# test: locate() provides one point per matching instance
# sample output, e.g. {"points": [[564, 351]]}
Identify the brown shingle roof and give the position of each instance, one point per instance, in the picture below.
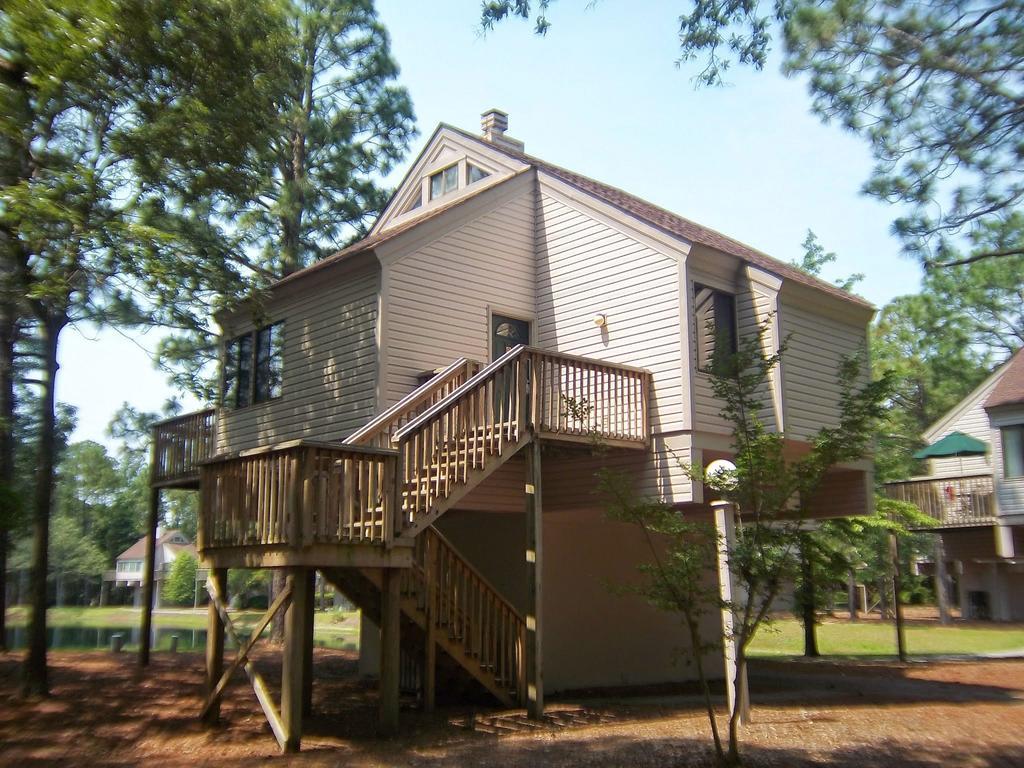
{"points": [[674, 224], [1009, 390], [641, 209], [137, 551]]}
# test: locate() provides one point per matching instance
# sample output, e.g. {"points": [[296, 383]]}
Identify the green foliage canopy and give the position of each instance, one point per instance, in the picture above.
{"points": [[936, 89]]}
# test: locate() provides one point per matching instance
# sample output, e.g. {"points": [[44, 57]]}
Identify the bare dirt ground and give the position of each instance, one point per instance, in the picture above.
{"points": [[103, 712]]}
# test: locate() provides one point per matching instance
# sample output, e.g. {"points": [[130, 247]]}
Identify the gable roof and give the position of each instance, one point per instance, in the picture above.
{"points": [[1010, 389], [137, 551], [646, 212]]}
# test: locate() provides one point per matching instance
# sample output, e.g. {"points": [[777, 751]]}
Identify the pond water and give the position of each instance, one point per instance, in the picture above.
{"points": [[92, 638]]}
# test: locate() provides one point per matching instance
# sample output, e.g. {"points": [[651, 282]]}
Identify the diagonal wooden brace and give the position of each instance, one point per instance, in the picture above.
{"points": [[242, 659]]}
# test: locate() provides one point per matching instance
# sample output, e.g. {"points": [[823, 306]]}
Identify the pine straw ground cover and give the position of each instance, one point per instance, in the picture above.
{"points": [[821, 714]]}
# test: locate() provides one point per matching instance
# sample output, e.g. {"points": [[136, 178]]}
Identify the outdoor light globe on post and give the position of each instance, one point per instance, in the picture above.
{"points": [[719, 467]]}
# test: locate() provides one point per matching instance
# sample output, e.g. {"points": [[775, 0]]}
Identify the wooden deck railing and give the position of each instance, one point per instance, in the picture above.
{"points": [[952, 502], [457, 601], [486, 418], [180, 445], [297, 494], [380, 431]]}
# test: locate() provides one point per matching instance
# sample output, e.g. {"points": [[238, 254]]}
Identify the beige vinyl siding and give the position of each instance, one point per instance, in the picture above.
{"points": [[755, 306], [437, 297], [972, 420], [586, 267], [1009, 490], [329, 378], [817, 345]]}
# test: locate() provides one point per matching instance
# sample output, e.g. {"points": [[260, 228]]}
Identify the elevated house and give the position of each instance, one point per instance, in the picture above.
{"points": [[397, 416], [977, 502]]}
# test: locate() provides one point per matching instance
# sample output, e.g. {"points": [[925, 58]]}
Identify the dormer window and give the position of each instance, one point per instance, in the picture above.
{"points": [[474, 174], [445, 181]]}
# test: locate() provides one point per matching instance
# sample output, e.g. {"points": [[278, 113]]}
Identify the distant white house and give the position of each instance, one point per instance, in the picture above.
{"points": [[130, 565], [978, 501]]}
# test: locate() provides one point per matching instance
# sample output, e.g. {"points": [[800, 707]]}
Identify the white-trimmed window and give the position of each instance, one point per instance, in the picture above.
{"points": [[1013, 450], [714, 312], [444, 181], [253, 366], [474, 174]]}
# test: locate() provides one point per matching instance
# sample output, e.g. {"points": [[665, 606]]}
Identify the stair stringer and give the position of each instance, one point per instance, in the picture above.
{"points": [[473, 478], [369, 602]]}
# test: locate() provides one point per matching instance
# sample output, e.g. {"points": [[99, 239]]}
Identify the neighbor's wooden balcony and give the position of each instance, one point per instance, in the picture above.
{"points": [[952, 502], [300, 503], [180, 445]]}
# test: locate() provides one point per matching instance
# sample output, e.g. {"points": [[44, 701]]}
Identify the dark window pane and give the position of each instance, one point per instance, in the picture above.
{"points": [[229, 387], [715, 318], [244, 393], [268, 362], [475, 174], [435, 186]]}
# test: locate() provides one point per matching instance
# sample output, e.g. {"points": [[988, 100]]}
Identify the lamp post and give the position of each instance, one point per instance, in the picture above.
{"points": [[725, 525]]}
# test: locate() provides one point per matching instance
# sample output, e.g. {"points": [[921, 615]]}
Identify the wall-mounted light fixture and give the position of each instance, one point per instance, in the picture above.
{"points": [[600, 320]]}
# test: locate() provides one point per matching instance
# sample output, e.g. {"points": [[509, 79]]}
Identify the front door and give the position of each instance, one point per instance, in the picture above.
{"points": [[506, 333]]}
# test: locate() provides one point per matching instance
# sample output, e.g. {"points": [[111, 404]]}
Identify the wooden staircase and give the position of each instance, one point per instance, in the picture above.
{"points": [[369, 503], [451, 607]]}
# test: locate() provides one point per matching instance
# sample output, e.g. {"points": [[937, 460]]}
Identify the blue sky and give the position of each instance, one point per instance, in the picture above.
{"points": [[600, 95]]}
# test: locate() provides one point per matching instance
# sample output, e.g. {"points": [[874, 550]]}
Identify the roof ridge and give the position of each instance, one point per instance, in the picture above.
{"points": [[772, 263]]}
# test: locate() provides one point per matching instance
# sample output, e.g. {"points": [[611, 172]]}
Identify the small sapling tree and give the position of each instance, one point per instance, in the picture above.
{"points": [[770, 489]]}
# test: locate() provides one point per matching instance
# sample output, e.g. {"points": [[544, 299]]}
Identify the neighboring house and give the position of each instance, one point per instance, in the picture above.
{"points": [[978, 501], [398, 362], [128, 568]]}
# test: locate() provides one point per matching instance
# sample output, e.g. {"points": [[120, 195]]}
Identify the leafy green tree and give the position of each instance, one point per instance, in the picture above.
{"points": [[771, 492], [343, 123], [934, 88], [122, 118], [181, 582], [815, 258]]}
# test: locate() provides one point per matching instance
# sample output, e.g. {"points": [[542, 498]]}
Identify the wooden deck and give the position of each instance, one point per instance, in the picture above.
{"points": [[180, 445], [952, 502]]}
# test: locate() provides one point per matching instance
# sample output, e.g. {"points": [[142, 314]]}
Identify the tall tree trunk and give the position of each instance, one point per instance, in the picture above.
{"points": [[851, 594], [36, 681], [277, 587], [808, 601]]}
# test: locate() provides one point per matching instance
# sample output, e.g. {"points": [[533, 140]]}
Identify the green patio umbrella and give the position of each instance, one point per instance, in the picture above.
{"points": [[953, 444]]}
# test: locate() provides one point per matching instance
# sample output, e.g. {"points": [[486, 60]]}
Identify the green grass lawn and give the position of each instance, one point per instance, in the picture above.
{"points": [[785, 637], [334, 629]]}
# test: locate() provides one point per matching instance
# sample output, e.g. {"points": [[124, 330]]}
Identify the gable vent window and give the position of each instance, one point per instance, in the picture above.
{"points": [[253, 365], [474, 174], [715, 314], [443, 182]]}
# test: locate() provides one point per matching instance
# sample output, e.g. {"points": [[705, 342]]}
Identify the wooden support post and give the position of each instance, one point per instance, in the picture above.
{"points": [[149, 566], [293, 662], [390, 649], [725, 526], [534, 583], [307, 643], [430, 647], [215, 642], [941, 580]]}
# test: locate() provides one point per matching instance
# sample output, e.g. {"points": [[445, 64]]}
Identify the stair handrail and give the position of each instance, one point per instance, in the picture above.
{"points": [[443, 540], [442, 405], [472, 383], [382, 424]]}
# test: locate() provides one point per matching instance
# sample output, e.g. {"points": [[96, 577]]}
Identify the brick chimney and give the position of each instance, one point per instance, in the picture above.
{"points": [[493, 124]]}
